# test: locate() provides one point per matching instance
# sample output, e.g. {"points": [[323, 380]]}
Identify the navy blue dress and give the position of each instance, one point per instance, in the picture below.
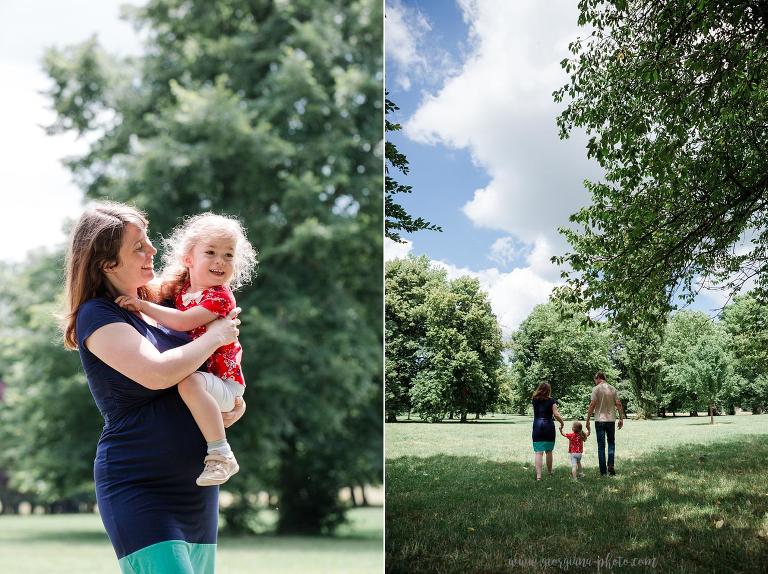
{"points": [[149, 454], [543, 433]]}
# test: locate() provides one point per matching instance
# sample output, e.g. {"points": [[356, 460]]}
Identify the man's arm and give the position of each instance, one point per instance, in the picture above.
{"points": [[620, 408], [173, 318], [590, 410]]}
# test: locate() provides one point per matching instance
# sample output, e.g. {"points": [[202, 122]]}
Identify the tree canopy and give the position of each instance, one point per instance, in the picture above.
{"points": [[443, 343], [674, 98]]}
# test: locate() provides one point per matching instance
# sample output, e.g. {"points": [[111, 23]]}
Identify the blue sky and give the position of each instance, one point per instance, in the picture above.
{"points": [[439, 176], [473, 80]]}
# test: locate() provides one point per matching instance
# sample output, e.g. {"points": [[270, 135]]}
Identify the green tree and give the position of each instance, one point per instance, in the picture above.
{"points": [[696, 363], [637, 355], [746, 321], [407, 283], [555, 345], [506, 401], [462, 353], [271, 111], [674, 98], [397, 218], [710, 369], [49, 422], [682, 334]]}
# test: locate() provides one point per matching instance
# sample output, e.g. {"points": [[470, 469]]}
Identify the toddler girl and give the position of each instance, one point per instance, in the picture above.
{"points": [[575, 448], [205, 258]]}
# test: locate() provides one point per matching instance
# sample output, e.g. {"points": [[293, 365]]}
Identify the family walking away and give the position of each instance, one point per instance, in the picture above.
{"points": [[143, 375], [603, 405]]}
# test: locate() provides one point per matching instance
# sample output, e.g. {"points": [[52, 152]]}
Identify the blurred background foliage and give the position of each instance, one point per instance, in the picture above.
{"points": [[271, 111]]}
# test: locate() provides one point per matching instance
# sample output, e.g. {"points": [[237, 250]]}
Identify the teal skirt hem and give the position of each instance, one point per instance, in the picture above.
{"points": [[175, 556], [543, 445]]}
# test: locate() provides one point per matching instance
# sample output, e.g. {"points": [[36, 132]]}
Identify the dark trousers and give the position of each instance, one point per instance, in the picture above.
{"points": [[605, 430]]}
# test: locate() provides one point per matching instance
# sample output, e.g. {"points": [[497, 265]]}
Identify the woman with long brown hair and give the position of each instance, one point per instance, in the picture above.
{"points": [[150, 449], [543, 435]]}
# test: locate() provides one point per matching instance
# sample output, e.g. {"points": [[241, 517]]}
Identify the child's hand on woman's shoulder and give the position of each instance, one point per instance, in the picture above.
{"points": [[130, 303]]}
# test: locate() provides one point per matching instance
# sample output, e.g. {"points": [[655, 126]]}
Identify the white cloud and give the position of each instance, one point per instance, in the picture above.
{"points": [[408, 50], [505, 250], [513, 295], [404, 28], [499, 106], [395, 250], [539, 259]]}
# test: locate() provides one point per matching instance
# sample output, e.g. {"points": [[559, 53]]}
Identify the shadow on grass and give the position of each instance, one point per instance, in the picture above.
{"points": [[465, 514]]}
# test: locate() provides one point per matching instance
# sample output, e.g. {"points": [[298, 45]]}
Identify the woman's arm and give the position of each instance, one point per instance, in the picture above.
{"points": [[556, 414], [122, 347], [173, 318]]}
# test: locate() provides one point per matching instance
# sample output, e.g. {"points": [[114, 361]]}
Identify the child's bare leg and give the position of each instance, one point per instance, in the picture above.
{"points": [[537, 457], [578, 467], [573, 471], [204, 408], [549, 462]]}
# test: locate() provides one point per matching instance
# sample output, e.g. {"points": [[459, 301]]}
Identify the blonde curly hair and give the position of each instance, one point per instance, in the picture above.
{"points": [[182, 240]]}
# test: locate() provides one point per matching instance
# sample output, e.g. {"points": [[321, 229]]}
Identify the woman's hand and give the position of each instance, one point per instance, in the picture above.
{"points": [[235, 414], [226, 329]]}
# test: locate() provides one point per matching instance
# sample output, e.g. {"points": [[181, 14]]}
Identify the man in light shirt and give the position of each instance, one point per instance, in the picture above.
{"points": [[604, 404]]}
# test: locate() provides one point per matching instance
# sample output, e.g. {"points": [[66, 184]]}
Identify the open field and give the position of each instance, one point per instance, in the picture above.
{"points": [[77, 543], [688, 497]]}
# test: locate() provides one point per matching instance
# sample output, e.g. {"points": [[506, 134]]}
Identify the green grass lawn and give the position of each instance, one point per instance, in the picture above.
{"points": [[690, 496], [77, 543]]}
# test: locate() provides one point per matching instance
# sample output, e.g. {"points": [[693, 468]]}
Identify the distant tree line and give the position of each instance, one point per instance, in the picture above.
{"points": [[444, 354]]}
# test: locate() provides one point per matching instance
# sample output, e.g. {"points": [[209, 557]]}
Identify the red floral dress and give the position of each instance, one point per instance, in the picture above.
{"points": [[575, 444], [225, 361]]}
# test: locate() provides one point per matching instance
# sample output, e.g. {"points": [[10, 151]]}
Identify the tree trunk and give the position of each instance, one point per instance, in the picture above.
{"points": [[308, 493], [352, 496], [391, 418], [477, 416], [694, 413], [463, 416], [711, 414], [362, 495]]}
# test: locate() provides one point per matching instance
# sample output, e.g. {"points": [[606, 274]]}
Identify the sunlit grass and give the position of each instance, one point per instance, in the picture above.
{"points": [[78, 543], [462, 498]]}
